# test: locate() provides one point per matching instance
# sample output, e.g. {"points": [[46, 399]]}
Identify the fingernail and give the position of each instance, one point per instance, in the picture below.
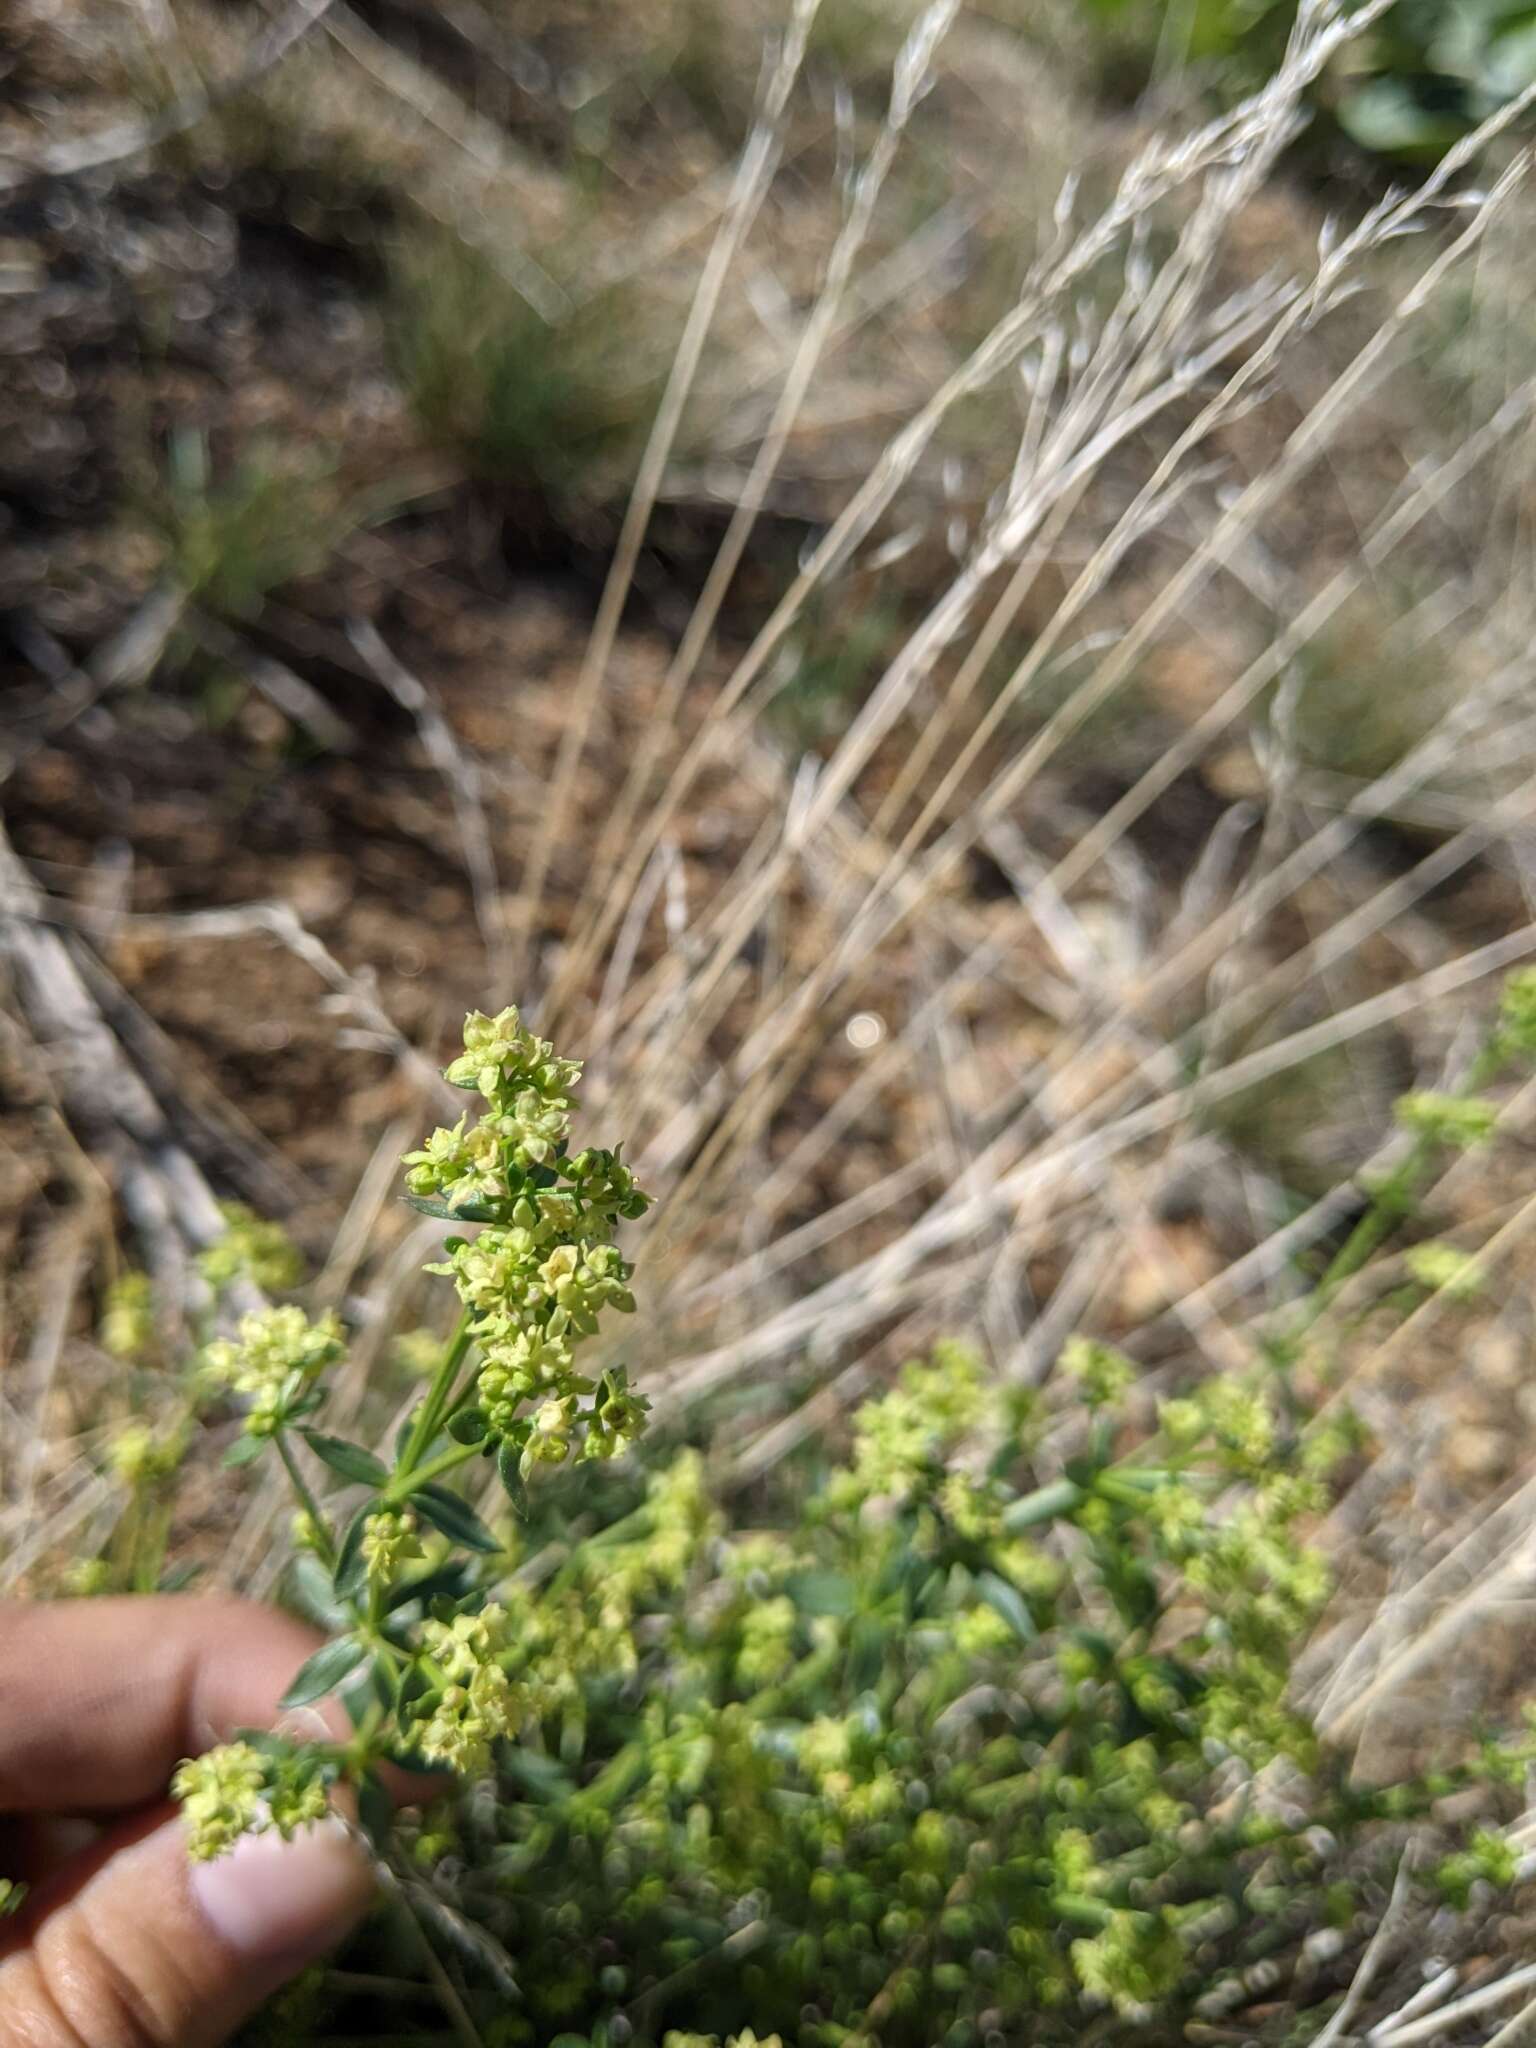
{"points": [[269, 1897]]}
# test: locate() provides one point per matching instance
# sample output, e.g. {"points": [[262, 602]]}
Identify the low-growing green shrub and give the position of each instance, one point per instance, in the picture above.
{"points": [[979, 1732], [1425, 75]]}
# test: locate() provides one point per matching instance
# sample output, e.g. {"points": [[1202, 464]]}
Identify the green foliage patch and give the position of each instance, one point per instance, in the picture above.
{"points": [[1425, 74], [979, 1730]]}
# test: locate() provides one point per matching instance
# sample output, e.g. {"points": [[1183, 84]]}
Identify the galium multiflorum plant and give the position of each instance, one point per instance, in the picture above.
{"points": [[419, 1650], [983, 1733]]}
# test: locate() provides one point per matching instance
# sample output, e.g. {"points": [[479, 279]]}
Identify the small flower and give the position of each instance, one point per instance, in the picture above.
{"points": [[140, 1457], [1444, 1270], [503, 1060], [1135, 1961], [461, 1165], [1488, 1858], [1182, 1421], [767, 1641], [127, 1317], [617, 1418], [549, 1437], [477, 1704], [275, 1356], [971, 1509], [87, 1576], [254, 1248], [462, 1646], [417, 1353], [582, 1281], [1179, 1515], [221, 1798], [237, 1790], [390, 1537], [1459, 1121], [1103, 1374], [981, 1631], [297, 1803]]}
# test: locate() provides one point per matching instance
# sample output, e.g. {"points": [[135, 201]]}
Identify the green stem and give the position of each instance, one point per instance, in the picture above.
{"points": [[429, 1421], [358, 1751], [1395, 1197], [402, 1485], [151, 1541], [1374, 1227], [307, 1500]]}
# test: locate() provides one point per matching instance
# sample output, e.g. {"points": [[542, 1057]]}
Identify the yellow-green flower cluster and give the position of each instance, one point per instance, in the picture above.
{"points": [[1444, 1270], [254, 1249], [128, 1316], [460, 1164], [767, 1641], [899, 1440], [745, 2039], [1133, 1962], [1458, 1121], [390, 1538], [1103, 1374], [85, 1577], [526, 1086], [1488, 1858], [475, 1703], [237, 1790], [274, 1358], [543, 1271], [141, 1456], [1238, 1419], [416, 1354]]}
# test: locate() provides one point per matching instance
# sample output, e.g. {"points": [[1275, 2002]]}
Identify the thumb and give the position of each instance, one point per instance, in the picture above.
{"points": [[153, 1951]]}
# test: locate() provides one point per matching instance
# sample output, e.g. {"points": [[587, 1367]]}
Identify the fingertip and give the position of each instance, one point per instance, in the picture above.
{"points": [[269, 1899], [148, 1948]]}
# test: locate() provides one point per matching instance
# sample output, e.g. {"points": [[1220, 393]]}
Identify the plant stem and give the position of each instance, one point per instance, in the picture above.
{"points": [[307, 1500], [150, 1540], [430, 1419], [444, 1462]]}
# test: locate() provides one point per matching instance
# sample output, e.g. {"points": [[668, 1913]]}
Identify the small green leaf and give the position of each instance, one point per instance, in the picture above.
{"points": [[315, 1594], [466, 1212], [243, 1450], [469, 1426], [351, 1566], [350, 1460], [821, 1592], [455, 1518], [414, 1685], [509, 1472], [323, 1672], [265, 1742], [448, 1580], [1045, 1504], [1009, 1602]]}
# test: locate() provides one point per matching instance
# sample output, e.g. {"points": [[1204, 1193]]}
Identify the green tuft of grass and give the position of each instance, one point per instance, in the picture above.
{"points": [[561, 407], [277, 513]]}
